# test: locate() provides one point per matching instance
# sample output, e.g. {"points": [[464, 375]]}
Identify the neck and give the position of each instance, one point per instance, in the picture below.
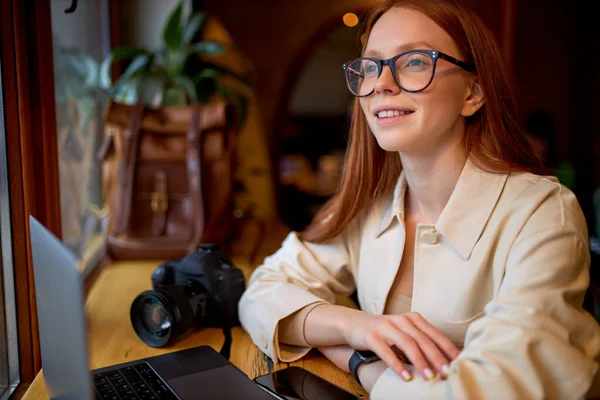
{"points": [[431, 180]]}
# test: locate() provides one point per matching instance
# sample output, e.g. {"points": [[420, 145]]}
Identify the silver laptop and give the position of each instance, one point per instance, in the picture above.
{"points": [[197, 373]]}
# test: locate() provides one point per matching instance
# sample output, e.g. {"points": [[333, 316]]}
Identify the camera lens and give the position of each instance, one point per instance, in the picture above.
{"points": [[155, 317], [160, 316]]}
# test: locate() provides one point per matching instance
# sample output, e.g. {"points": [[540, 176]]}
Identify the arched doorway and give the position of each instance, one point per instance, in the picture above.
{"points": [[313, 124]]}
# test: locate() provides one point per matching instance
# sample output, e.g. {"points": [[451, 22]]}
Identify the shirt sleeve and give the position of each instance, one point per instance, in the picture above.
{"points": [[299, 274], [291, 328], [534, 340]]}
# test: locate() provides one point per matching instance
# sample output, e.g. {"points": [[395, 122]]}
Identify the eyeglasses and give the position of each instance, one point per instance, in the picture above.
{"points": [[412, 70]]}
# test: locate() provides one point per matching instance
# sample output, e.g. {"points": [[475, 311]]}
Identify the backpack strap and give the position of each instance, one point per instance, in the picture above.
{"points": [[194, 168], [127, 167]]}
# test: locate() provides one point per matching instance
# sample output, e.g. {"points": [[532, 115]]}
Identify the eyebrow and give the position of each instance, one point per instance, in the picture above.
{"points": [[401, 48]]}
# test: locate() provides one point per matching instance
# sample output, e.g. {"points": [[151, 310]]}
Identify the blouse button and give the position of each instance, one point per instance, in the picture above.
{"points": [[429, 237]]}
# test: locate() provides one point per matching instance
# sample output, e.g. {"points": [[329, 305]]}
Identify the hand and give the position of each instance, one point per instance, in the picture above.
{"points": [[423, 344], [339, 355]]}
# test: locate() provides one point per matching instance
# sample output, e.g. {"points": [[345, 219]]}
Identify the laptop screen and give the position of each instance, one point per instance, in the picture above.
{"points": [[61, 316]]}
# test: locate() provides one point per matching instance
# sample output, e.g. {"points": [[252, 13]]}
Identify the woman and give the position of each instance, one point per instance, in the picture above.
{"points": [[470, 266]]}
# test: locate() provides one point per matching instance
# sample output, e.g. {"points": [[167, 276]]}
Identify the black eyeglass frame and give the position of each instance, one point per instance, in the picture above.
{"points": [[390, 62]]}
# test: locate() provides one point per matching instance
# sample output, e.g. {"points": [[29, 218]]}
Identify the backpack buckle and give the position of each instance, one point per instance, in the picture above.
{"points": [[159, 202]]}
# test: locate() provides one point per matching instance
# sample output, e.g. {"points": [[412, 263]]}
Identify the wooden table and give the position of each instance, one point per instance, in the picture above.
{"points": [[112, 339]]}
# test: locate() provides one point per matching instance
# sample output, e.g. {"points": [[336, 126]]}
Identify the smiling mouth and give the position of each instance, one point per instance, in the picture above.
{"points": [[392, 113]]}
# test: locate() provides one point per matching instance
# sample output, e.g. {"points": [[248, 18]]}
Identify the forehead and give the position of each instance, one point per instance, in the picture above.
{"points": [[399, 28]]}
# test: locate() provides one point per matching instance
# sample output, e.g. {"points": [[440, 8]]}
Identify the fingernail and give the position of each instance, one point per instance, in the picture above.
{"points": [[446, 370], [407, 377], [429, 374]]}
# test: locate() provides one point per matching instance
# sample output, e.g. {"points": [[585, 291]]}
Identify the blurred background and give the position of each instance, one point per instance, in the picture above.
{"points": [[296, 112], [299, 119]]}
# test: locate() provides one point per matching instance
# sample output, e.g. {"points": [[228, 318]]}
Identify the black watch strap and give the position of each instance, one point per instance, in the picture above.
{"points": [[358, 358]]}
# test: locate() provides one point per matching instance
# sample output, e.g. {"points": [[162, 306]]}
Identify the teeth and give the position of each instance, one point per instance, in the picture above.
{"points": [[392, 113]]}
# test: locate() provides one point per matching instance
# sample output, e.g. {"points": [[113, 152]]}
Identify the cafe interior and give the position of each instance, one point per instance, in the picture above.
{"points": [[101, 151]]}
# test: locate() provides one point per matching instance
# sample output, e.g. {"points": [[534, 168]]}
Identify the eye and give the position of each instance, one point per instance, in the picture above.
{"points": [[370, 69], [415, 62]]}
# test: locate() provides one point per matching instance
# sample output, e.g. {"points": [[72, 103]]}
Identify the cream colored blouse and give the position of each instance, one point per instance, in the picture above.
{"points": [[291, 328], [502, 273]]}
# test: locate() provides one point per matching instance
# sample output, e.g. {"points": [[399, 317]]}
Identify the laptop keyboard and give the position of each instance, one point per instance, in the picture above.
{"points": [[135, 382]]}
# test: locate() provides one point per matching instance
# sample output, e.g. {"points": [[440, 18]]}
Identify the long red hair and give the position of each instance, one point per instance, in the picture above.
{"points": [[494, 136]]}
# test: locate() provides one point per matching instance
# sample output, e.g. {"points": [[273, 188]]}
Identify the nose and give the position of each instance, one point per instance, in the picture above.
{"points": [[386, 83]]}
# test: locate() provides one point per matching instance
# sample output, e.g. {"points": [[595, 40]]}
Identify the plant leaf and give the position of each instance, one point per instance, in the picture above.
{"points": [[127, 92], [207, 73], [132, 73], [175, 62], [174, 96], [192, 26], [207, 82], [84, 68], [206, 47], [152, 90], [224, 71], [136, 65], [172, 32], [105, 78], [118, 53], [122, 52], [188, 86], [207, 88]]}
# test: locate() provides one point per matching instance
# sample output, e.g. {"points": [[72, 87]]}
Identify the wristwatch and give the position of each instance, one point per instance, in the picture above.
{"points": [[358, 358]]}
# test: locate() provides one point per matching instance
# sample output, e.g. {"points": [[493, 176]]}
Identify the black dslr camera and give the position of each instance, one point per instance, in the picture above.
{"points": [[202, 289]]}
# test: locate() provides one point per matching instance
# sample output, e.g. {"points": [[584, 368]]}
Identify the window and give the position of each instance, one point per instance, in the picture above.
{"points": [[81, 40], [9, 362]]}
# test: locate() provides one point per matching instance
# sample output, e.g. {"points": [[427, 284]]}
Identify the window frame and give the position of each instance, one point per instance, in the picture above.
{"points": [[8, 320], [31, 149], [32, 154]]}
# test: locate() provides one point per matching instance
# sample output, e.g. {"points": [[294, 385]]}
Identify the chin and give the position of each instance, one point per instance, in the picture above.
{"points": [[394, 141]]}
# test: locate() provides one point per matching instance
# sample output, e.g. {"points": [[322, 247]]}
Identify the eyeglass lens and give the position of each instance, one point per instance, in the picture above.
{"points": [[413, 73]]}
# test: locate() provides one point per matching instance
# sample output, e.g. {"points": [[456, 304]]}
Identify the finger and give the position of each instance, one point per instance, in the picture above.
{"points": [[379, 345], [409, 347], [432, 353], [400, 354], [435, 334]]}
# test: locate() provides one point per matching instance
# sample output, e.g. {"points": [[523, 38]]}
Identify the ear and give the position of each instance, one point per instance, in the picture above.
{"points": [[474, 98]]}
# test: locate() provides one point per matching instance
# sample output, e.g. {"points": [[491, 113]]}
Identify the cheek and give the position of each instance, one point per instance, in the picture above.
{"points": [[446, 102], [364, 106]]}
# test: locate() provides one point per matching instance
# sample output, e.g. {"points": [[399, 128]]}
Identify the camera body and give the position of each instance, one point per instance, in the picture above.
{"points": [[201, 290], [210, 275]]}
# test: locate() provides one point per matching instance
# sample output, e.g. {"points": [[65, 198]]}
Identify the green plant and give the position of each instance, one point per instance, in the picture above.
{"points": [[176, 73], [76, 80]]}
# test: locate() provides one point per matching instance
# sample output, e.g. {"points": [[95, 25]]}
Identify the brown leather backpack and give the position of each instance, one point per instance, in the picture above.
{"points": [[167, 179]]}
